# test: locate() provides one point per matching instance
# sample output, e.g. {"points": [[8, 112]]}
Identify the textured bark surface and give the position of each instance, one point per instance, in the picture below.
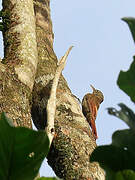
{"points": [[18, 67], [73, 144]]}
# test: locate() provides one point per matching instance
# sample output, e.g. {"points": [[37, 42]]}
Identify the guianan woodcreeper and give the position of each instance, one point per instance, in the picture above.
{"points": [[90, 105]]}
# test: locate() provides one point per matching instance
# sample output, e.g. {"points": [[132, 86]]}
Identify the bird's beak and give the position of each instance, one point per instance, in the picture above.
{"points": [[93, 88]]}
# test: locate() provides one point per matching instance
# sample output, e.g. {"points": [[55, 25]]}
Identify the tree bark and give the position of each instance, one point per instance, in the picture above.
{"points": [[73, 143], [18, 68]]}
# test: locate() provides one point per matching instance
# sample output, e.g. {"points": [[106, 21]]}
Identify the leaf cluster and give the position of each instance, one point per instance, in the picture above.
{"points": [[22, 151], [118, 158]]}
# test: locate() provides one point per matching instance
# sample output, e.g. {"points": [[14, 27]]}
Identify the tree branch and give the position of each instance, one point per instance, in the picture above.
{"points": [[71, 148], [20, 45], [20, 60], [51, 106]]}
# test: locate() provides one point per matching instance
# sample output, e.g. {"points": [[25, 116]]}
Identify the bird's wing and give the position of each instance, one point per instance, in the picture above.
{"points": [[92, 108]]}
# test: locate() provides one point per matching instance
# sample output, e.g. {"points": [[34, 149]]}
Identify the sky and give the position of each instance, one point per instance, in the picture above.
{"points": [[103, 46]]}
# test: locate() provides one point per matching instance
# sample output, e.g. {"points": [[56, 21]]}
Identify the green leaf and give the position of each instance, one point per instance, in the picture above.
{"points": [[125, 114], [126, 81], [118, 156], [131, 23], [22, 151], [128, 175], [122, 175]]}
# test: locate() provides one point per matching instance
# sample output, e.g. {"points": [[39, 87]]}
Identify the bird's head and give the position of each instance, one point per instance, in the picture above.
{"points": [[98, 94]]}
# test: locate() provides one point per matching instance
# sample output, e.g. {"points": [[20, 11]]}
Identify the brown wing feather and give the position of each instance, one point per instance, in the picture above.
{"points": [[93, 109], [89, 109]]}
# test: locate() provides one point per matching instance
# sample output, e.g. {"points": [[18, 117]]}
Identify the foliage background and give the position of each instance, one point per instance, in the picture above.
{"points": [[103, 46]]}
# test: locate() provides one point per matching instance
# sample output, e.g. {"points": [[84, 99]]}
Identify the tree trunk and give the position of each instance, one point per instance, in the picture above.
{"points": [[25, 45], [73, 143], [18, 68]]}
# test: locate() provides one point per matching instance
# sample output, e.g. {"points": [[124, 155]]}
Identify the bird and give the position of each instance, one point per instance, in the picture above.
{"points": [[90, 106]]}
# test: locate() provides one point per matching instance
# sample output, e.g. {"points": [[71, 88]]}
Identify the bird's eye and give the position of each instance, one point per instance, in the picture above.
{"points": [[97, 92]]}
